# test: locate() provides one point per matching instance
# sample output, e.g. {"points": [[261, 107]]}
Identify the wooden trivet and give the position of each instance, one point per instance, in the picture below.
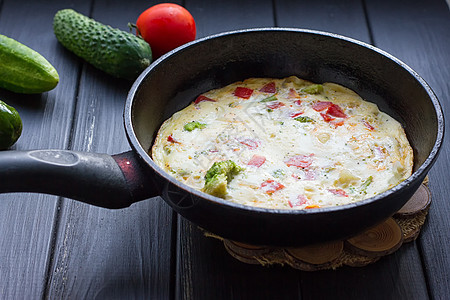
{"points": [[357, 251]]}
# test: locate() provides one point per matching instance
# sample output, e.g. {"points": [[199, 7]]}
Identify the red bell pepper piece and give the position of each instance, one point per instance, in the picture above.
{"points": [[252, 144], [269, 88], [295, 114], [203, 98], [300, 200], [321, 105], [337, 122], [243, 92], [335, 111], [275, 104], [171, 139], [257, 161], [300, 161], [326, 117], [270, 186], [307, 174], [293, 94], [338, 192], [370, 127]]}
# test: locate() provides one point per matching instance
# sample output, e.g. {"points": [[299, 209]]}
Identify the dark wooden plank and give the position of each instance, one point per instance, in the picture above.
{"points": [[408, 285], [385, 279], [341, 17], [204, 268], [209, 272], [26, 220], [109, 254], [102, 253], [348, 18], [219, 16], [418, 34], [200, 258]]}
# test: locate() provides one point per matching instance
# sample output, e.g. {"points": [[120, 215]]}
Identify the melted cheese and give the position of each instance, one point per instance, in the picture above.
{"points": [[298, 147]]}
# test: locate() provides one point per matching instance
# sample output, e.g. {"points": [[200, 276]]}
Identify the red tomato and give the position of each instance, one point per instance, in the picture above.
{"points": [[166, 26]]}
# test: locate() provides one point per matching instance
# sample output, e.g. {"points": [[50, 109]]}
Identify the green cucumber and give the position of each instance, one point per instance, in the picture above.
{"points": [[10, 125], [23, 70], [116, 52]]}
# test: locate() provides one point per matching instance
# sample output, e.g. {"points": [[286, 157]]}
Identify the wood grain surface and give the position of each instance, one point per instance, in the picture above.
{"points": [[425, 42], [57, 248], [27, 221], [110, 248]]}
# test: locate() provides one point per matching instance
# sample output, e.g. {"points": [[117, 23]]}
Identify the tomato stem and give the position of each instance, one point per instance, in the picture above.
{"points": [[131, 26]]}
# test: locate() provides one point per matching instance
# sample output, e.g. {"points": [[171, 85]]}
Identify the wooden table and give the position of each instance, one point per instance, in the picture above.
{"points": [[57, 248]]}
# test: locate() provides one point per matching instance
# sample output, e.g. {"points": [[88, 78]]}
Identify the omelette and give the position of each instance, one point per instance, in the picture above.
{"points": [[284, 144]]}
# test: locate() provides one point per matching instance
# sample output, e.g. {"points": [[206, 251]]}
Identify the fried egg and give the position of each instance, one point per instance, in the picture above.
{"points": [[296, 144]]}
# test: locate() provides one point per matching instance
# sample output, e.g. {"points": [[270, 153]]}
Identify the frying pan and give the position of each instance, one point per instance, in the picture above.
{"points": [[177, 78]]}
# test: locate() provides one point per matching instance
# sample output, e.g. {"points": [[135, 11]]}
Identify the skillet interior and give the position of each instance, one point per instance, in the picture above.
{"points": [[173, 81]]}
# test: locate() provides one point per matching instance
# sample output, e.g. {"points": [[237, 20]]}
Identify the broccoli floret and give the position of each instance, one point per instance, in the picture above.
{"points": [[226, 167], [218, 176], [216, 186], [313, 89]]}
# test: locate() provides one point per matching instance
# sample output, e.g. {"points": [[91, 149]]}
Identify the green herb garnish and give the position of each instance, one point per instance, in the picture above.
{"points": [[366, 183], [304, 119], [278, 173], [269, 99], [313, 89], [193, 125]]}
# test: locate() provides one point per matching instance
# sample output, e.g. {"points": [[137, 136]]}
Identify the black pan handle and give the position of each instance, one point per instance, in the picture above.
{"points": [[99, 179]]}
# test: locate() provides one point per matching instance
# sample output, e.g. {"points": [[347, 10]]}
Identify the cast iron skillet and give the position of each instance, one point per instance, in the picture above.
{"points": [[177, 78]]}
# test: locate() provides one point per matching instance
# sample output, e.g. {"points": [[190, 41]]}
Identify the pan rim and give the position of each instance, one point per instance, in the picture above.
{"points": [[420, 172]]}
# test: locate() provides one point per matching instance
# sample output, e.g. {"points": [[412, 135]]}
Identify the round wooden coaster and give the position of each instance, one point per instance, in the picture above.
{"points": [[358, 251], [317, 254], [418, 203], [314, 257], [380, 240], [249, 259], [246, 250]]}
